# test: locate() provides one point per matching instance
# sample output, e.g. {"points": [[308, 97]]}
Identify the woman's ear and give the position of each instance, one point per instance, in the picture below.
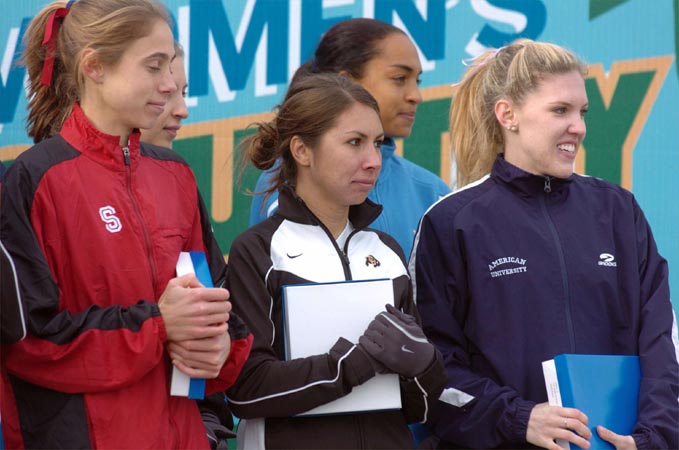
{"points": [[345, 73], [92, 68], [300, 151], [505, 115]]}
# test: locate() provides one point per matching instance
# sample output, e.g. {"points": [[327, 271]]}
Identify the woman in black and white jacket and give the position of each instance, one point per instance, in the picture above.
{"points": [[328, 133]]}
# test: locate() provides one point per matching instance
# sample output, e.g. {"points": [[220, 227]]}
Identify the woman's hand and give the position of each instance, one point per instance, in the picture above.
{"points": [[396, 341], [191, 311], [620, 441], [201, 358], [547, 423]]}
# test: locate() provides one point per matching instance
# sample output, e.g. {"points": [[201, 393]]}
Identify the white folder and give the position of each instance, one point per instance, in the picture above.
{"points": [[316, 315]]}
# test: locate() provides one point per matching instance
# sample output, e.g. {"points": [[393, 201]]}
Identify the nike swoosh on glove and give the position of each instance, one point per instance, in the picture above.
{"points": [[396, 340]]}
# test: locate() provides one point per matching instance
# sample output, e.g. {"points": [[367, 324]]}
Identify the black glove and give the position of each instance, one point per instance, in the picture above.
{"points": [[217, 419], [217, 433], [396, 340], [377, 366]]}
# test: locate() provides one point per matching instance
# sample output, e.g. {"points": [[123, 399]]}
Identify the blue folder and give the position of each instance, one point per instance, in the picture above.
{"points": [[196, 387], [604, 387]]}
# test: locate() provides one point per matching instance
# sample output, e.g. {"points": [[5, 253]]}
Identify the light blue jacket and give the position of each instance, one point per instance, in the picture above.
{"points": [[404, 189]]}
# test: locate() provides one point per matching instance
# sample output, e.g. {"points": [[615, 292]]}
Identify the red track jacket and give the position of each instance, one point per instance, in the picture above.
{"points": [[95, 235]]}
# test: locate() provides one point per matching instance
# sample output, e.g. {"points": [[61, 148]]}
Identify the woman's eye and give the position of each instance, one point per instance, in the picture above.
{"points": [[378, 144], [560, 110], [355, 142]]}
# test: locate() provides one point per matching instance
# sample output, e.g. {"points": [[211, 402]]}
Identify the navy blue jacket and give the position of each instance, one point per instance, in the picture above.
{"points": [[517, 268]]}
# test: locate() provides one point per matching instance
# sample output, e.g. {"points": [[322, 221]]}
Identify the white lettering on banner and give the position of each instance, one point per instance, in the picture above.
{"points": [[183, 29], [8, 56]]}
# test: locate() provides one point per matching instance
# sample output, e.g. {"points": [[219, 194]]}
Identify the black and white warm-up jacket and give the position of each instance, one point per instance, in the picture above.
{"points": [[293, 247]]}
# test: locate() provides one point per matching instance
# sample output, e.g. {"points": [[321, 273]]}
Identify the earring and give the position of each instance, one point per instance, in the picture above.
{"points": [[513, 128]]}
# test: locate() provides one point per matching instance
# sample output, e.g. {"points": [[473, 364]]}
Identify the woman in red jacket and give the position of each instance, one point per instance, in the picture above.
{"points": [[95, 222]]}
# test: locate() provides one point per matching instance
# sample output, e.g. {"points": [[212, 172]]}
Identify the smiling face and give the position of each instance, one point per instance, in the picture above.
{"points": [[169, 122], [344, 166], [134, 92], [550, 126], [392, 77]]}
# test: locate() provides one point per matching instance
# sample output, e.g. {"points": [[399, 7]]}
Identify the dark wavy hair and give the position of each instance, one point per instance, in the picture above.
{"points": [[347, 47], [311, 107]]}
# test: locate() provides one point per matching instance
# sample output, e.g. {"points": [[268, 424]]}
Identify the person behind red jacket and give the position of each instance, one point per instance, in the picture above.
{"points": [[165, 130], [95, 222], [12, 326], [214, 409]]}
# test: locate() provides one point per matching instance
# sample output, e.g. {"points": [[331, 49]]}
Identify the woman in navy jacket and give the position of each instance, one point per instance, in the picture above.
{"points": [[530, 260]]}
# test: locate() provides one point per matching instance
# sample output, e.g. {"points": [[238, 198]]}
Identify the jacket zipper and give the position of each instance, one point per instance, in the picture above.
{"points": [[345, 251], [175, 433], [342, 253], [548, 185], [137, 209], [562, 262], [343, 256]]}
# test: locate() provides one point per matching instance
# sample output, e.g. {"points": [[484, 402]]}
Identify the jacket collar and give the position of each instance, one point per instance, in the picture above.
{"points": [[527, 183], [292, 207], [388, 148], [104, 148]]}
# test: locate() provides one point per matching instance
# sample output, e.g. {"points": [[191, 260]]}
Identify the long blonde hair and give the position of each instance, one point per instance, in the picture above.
{"points": [[107, 26], [511, 72]]}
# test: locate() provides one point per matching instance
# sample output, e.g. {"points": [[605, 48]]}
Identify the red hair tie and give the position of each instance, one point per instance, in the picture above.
{"points": [[50, 41]]}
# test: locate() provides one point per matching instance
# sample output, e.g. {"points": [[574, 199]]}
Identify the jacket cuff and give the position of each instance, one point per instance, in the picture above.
{"points": [[356, 365], [641, 440], [434, 379], [162, 332], [517, 426], [239, 353]]}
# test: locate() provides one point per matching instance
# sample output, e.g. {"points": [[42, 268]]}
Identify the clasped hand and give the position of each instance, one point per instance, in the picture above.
{"points": [[195, 320], [396, 342], [547, 423]]}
